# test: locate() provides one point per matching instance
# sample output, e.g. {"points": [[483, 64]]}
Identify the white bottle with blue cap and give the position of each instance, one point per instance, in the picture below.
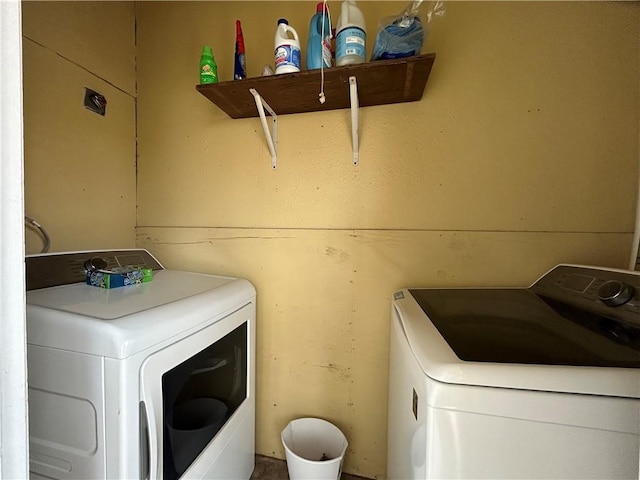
{"points": [[287, 48]]}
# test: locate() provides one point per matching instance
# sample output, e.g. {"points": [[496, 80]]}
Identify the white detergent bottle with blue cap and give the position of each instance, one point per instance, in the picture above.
{"points": [[287, 48], [351, 35]]}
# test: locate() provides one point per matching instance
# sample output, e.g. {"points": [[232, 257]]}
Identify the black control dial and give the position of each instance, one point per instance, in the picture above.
{"points": [[615, 293], [95, 263]]}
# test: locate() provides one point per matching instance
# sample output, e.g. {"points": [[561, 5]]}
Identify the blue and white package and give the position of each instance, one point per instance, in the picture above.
{"points": [[404, 34]]}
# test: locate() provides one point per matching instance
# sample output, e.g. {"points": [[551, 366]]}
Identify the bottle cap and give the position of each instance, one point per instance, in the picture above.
{"points": [[283, 20], [206, 50], [320, 7]]}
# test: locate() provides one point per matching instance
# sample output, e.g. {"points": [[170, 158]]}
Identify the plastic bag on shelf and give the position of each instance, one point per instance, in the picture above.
{"points": [[403, 35]]}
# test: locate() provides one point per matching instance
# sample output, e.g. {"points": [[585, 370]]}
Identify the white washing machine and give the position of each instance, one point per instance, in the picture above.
{"points": [[538, 382], [153, 380]]}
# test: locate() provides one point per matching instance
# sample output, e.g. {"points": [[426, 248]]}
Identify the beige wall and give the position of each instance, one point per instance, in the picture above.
{"points": [[522, 154], [79, 166]]}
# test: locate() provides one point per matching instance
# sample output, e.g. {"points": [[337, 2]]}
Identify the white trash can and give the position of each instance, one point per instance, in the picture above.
{"points": [[314, 449]]}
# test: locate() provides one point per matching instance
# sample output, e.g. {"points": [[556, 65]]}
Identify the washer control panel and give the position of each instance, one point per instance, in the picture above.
{"points": [[615, 293]]}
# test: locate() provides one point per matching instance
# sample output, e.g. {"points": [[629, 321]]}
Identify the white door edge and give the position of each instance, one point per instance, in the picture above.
{"points": [[14, 450]]}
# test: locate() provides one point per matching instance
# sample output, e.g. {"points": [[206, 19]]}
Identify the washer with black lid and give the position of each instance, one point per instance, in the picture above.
{"points": [[537, 382]]}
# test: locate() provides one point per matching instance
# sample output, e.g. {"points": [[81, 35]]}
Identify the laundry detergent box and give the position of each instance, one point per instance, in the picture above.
{"points": [[121, 277]]}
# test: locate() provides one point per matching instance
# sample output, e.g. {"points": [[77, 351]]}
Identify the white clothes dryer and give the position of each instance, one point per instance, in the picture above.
{"points": [[153, 380], [538, 382]]}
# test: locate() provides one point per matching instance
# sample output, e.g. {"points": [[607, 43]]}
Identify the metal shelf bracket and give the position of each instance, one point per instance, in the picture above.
{"points": [[271, 136], [353, 97]]}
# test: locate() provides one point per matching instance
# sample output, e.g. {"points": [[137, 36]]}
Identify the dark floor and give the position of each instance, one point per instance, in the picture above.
{"points": [[268, 468]]}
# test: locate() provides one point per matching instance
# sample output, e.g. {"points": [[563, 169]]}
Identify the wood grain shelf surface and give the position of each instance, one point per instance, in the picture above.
{"points": [[381, 82]]}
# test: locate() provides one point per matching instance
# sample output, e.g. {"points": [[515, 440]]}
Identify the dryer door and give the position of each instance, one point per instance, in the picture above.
{"points": [[190, 391]]}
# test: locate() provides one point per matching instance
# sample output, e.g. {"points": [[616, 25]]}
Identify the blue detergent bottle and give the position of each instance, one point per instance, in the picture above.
{"points": [[319, 48]]}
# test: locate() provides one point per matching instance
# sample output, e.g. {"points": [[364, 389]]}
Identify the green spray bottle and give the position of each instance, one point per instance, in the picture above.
{"points": [[208, 67]]}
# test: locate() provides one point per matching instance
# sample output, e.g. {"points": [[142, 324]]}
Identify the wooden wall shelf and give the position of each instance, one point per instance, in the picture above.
{"points": [[380, 82]]}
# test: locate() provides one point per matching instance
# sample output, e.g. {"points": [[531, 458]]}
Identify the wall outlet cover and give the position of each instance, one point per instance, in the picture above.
{"points": [[95, 101]]}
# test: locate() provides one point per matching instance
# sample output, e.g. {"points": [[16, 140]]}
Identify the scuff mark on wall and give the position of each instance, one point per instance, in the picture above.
{"points": [[344, 373], [336, 253]]}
